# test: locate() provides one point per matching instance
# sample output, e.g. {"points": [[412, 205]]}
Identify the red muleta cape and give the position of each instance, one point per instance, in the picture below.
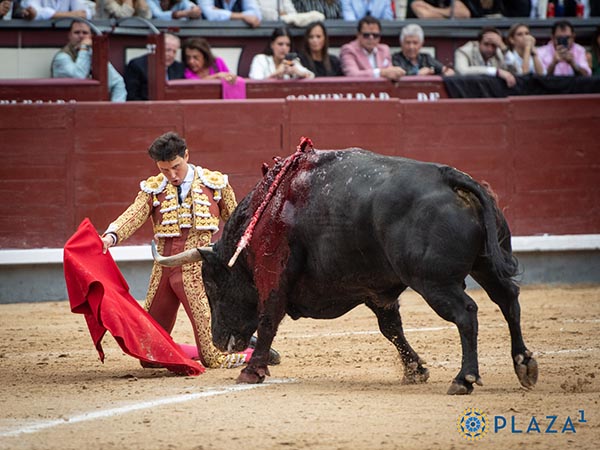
{"points": [[98, 290]]}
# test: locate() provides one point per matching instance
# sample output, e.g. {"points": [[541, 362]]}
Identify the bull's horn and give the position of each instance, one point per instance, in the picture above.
{"points": [[189, 256]]}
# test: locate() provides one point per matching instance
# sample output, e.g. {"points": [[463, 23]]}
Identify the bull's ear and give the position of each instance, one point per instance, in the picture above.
{"points": [[208, 255], [212, 267]]}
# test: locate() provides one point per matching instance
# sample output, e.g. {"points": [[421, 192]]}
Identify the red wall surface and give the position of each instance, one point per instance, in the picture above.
{"points": [[62, 163]]}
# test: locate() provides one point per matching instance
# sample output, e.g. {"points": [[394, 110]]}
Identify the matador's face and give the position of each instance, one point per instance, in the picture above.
{"points": [[176, 169]]}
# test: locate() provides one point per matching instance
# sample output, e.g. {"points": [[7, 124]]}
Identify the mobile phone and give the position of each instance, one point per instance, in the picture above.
{"points": [[291, 56], [563, 40]]}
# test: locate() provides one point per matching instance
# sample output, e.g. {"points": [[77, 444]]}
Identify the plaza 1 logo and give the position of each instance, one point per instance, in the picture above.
{"points": [[474, 424]]}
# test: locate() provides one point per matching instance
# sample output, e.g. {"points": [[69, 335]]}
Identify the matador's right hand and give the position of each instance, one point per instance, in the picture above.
{"points": [[107, 241]]}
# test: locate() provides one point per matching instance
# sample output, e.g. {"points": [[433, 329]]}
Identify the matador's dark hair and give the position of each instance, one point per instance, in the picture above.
{"points": [[167, 147]]}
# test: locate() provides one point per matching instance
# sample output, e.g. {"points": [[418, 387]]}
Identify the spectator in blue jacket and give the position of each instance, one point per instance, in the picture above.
{"points": [[218, 10], [75, 61], [357, 9]]}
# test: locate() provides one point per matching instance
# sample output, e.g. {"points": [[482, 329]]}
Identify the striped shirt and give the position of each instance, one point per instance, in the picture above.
{"points": [[330, 8]]}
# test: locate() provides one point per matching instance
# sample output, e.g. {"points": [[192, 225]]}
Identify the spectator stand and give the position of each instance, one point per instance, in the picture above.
{"points": [[442, 36], [29, 90], [22, 44]]}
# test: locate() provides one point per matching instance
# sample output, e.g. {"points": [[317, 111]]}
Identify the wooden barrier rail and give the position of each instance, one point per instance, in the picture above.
{"points": [[35, 90], [424, 88], [62, 163], [64, 89]]}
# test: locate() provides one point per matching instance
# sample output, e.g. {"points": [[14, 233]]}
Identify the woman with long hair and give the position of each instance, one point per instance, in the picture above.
{"points": [[522, 57], [201, 64], [277, 61], [315, 52]]}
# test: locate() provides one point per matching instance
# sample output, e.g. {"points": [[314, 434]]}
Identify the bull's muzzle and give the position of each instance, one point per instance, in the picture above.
{"points": [[189, 256]]}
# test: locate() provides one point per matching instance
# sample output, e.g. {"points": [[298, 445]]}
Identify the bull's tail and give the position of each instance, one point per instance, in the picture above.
{"points": [[497, 234]]}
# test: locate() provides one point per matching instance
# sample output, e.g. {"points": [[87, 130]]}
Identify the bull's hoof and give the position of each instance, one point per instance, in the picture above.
{"points": [[464, 387], [251, 375], [415, 373], [526, 369]]}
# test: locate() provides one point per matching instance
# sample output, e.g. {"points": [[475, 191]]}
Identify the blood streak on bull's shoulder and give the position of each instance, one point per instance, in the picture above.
{"points": [[269, 252]]}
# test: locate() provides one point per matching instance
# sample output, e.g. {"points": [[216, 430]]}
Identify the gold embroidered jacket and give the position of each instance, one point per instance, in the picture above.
{"points": [[210, 198]]}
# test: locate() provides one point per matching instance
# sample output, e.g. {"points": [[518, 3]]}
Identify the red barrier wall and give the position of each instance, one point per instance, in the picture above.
{"points": [[62, 163]]}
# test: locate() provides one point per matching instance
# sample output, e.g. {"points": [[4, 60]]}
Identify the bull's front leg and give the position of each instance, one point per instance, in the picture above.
{"points": [[258, 367]]}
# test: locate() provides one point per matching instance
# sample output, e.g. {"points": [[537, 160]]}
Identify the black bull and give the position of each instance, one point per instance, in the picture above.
{"points": [[349, 227]]}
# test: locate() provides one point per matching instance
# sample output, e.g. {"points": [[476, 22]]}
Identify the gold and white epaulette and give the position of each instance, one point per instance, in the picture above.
{"points": [[154, 185], [212, 179]]}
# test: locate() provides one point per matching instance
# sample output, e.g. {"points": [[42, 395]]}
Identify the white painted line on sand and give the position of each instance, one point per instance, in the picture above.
{"points": [[359, 333], [362, 333], [102, 414], [566, 350]]}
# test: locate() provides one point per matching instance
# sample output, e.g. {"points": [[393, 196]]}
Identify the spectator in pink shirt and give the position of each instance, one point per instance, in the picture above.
{"points": [[562, 56], [201, 64]]}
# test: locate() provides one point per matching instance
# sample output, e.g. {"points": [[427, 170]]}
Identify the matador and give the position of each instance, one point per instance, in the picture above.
{"points": [[185, 203]]}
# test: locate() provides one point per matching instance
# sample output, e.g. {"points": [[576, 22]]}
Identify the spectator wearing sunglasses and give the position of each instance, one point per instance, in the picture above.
{"points": [[366, 56], [357, 9]]}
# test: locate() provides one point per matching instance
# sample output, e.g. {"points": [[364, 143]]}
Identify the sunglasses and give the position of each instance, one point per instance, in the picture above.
{"points": [[371, 35]]}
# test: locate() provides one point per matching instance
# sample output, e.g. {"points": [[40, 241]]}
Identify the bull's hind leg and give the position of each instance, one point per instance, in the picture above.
{"points": [[454, 305], [390, 325], [505, 293]]}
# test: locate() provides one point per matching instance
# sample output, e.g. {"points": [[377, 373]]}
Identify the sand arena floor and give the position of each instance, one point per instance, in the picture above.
{"points": [[338, 386]]}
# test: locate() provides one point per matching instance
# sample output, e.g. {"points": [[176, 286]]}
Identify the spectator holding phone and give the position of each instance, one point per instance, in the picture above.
{"points": [[561, 55], [277, 62]]}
